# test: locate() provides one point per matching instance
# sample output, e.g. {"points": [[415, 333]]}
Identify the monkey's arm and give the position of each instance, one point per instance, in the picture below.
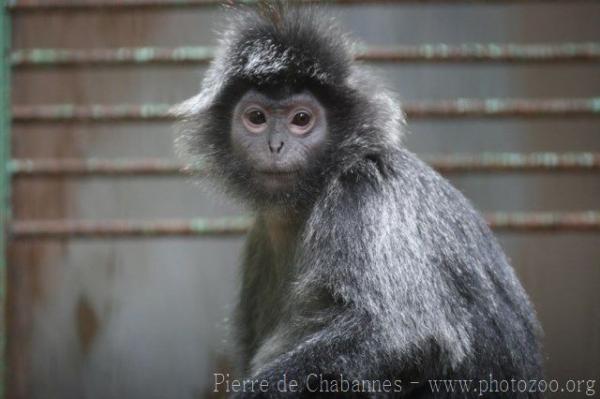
{"points": [[341, 349]]}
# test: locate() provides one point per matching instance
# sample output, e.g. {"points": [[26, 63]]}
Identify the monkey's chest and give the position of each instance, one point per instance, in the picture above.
{"points": [[268, 276], [271, 297]]}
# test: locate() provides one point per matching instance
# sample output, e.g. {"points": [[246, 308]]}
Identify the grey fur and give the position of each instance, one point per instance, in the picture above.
{"points": [[375, 268]]}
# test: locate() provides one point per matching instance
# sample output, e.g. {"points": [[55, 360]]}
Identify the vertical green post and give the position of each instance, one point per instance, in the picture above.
{"points": [[5, 180]]}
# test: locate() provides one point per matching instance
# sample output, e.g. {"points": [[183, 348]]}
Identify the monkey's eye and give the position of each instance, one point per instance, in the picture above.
{"points": [[257, 117], [301, 119], [255, 120], [301, 122]]}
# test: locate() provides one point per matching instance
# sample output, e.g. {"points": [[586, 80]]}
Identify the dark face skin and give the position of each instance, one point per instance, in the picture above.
{"points": [[278, 137]]}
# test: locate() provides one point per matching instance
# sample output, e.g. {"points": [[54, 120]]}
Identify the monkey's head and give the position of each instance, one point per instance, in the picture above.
{"points": [[278, 136], [284, 108]]}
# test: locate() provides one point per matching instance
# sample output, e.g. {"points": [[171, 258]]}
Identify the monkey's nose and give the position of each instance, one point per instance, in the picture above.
{"points": [[275, 148]]}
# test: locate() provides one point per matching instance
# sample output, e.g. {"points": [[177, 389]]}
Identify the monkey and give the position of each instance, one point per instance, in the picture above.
{"points": [[363, 263]]}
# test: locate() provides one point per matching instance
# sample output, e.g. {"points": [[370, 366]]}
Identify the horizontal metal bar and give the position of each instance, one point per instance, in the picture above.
{"points": [[126, 228], [515, 162], [458, 108], [60, 229], [477, 52], [127, 55], [457, 163], [56, 5], [484, 52], [494, 108], [95, 112], [93, 167], [544, 221]]}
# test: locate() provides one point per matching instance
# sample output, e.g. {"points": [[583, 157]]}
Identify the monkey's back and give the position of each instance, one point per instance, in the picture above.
{"points": [[461, 268]]}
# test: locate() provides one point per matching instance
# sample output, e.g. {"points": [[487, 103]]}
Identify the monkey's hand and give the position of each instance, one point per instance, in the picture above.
{"points": [[328, 362]]}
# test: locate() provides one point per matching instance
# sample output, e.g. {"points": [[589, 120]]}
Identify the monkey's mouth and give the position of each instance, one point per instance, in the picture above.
{"points": [[275, 179], [277, 172]]}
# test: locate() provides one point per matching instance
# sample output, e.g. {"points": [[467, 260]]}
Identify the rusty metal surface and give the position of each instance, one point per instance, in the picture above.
{"points": [[60, 229], [45, 5], [455, 108], [438, 53], [456, 163], [563, 246]]}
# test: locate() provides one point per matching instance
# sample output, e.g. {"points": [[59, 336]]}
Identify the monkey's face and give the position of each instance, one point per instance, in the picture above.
{"points": [[278, 137]]}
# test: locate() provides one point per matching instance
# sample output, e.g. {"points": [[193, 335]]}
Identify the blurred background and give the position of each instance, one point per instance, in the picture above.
{"points": [[144, 318]]}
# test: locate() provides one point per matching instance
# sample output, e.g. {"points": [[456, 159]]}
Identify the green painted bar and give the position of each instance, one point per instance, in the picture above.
{"points": [[5, 183], [437, 53], [54, 5], [235, 226], [454, 108], [550, 162]]}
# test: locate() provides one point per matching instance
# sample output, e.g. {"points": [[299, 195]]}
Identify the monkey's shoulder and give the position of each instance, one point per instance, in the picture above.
{"points": [[399, 185], [399, 205]]}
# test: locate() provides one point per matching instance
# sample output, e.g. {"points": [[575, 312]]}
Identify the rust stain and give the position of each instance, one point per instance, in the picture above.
{"points": [[35, 269], [88, 324]]}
